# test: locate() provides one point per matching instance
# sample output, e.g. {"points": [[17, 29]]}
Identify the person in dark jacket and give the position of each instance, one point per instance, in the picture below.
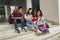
{"points": [[18, 14]]}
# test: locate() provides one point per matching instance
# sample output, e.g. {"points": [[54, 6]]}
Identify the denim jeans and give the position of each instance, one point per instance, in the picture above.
{"points": [[21, 22], [30, 25]]}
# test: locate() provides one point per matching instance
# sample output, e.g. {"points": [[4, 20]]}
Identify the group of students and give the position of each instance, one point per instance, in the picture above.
{"points": [[27, 19]]}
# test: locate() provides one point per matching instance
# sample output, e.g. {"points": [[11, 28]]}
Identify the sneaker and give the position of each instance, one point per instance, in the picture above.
{"points": [[18, 31], [25, 30]]}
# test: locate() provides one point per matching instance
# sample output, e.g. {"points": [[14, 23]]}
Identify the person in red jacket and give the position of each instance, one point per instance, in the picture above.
{"points": [[18, 15]]}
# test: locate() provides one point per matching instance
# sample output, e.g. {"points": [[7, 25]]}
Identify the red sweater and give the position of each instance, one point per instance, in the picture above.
{"points": [[15, 14]]}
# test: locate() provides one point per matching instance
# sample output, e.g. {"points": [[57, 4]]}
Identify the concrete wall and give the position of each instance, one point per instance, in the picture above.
{"points": [[50, 10], [28, 4], [59, 10]]}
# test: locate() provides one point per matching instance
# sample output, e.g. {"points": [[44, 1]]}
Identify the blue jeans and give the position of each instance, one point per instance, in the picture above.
{"points": [[21, 22], [31, 25]]}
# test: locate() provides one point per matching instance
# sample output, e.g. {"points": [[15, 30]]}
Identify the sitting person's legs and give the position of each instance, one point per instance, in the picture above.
{"points": [[15, 25], [22, 25], [31, 25]]}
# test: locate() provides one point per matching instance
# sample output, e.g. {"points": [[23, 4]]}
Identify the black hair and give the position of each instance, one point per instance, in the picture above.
{"points": [[20, 7], [40, 13], [29, 10]]}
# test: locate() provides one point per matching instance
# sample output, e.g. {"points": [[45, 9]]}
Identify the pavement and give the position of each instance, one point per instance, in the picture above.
{"points": [[7, 32]]}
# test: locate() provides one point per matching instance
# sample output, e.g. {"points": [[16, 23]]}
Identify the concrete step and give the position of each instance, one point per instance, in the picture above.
{"points": [[11, 26], [7, 27], [12, 35], [55, 37], [12, 31], [32, 36], [7, 32]]}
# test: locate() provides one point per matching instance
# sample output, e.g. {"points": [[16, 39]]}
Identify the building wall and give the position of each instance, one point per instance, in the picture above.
{"points": [[28, 4], [50, 10], [59, 10]]}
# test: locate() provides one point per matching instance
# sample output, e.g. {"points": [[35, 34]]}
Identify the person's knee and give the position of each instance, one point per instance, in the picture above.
{"points": [[28, 24], [16, 28], [14, 21]]}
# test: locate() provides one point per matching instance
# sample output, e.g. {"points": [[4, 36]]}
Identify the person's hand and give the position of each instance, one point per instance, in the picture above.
{"points": [[20, 17], [14, 17], [29, 20]]}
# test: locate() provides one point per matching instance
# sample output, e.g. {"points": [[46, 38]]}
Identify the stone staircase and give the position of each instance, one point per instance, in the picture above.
{"points": [[7, 32]]}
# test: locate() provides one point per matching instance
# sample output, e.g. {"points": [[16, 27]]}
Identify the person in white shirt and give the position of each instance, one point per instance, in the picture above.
{"points": [[28, 18]]}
